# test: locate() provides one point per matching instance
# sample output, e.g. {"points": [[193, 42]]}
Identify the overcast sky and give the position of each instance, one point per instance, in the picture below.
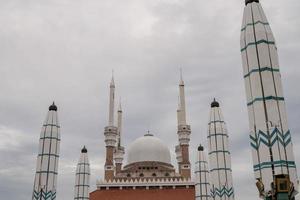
{"points": [[65, 50]]}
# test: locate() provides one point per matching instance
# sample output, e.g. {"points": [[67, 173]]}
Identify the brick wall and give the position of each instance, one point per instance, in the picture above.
{"points": [[144, 194]]}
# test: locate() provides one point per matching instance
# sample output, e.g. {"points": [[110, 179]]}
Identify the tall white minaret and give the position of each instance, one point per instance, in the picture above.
{"points": [[82, 180], [177, 147], [270, 137], [111, 102], [219, 156], [184, 132], [202, 186], [120, 113], [45, 182], [111, 134], [182, 113], [119, 150]]}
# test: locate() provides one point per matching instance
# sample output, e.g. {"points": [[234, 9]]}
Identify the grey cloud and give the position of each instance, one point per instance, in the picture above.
{"points": [[65, 50]]}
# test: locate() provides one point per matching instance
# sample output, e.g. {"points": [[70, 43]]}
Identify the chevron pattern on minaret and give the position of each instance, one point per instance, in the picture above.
{"points": [[219, 155], [270, 137], [45, 182]]}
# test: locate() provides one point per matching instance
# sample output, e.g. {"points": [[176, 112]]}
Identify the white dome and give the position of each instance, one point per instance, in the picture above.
{"points": [[148, 148]]}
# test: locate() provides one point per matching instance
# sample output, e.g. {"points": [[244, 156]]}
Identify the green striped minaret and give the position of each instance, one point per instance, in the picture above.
{"points": [[219, 156], [270, 138], [45, 182]]}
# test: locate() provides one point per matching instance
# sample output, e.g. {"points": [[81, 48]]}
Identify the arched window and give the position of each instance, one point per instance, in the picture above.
{"points": [[167, 174], [141, 175], [128, 175], [154, 175]]}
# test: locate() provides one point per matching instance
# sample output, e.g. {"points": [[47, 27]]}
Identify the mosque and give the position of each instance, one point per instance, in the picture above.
{"points": [[149, 174], [149, 170]]}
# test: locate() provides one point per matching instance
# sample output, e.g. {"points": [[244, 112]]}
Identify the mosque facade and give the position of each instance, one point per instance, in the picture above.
{"points": [[149, 170]]}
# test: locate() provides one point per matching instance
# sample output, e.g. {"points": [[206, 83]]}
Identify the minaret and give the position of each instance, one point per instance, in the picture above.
{"points": [[219, 156], [183, 132], [110, 133], [202, 186], [270, 137], [177, 147], [82, 180], [47, 161], [120, 150]]}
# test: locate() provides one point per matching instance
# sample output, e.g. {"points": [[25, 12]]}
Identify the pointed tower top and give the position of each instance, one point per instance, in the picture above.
{"points": [[120, 106], [200, 148], [251, 1], [181, 78], [112, 82], [53, 107], [84, 150], [215, 104]]}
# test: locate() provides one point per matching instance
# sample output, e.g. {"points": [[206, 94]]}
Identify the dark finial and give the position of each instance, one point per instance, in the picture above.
{"points": [[215, 104], [53, 107], [148, 133], [200, 148], [251, 1], [84, 150]]}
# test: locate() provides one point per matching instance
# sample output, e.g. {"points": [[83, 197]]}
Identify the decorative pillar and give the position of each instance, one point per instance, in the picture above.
{"points": [[82, 180], [45, 182], [272, 150]]}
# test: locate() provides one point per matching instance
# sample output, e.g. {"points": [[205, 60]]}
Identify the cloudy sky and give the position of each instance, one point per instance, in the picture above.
{"points": [[65, 50]]}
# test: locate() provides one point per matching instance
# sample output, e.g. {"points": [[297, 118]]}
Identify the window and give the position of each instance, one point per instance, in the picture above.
{"points": [[141, 175], [154, 175]]}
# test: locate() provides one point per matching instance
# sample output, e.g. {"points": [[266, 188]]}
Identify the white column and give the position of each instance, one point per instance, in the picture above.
{"points": [[47, 161], [202, 185], [82, 179], [111, 102], [182, 102], [270, 136], [219, 156], [119, 124]]}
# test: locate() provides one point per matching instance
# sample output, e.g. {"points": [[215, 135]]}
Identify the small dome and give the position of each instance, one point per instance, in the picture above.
{"points": [[251, 1], [53, 107], [84, 150], [148, 148], [200, 148], [215, 104]]}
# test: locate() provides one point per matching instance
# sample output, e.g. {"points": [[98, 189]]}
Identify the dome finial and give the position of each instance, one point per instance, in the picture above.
{"points": [[200, 148], [251, 1], [83, 150], [148, 133], [53, 107], [215, 104]]}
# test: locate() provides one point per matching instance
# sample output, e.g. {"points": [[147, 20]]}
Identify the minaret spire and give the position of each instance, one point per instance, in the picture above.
{"points": [[120, 112], [179, 112], [182, 100], [119, 150], [111, 102], [184, 131], [111, 134]]}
